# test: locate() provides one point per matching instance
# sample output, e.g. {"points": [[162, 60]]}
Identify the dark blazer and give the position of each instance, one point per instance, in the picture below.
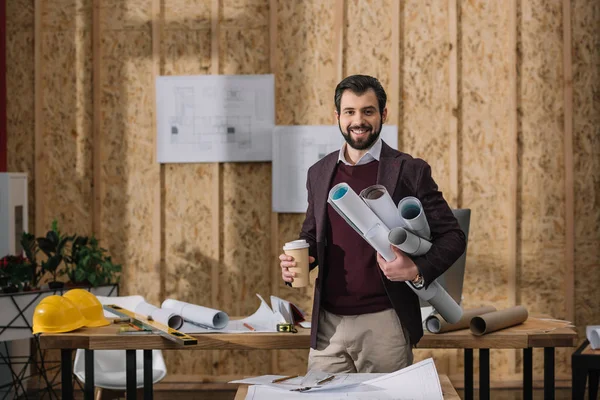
{"points": [[403, 176]]}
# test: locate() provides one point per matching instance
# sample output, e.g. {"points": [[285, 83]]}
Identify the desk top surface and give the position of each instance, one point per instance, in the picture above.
{"points": [[447, 389], [535, 332]]}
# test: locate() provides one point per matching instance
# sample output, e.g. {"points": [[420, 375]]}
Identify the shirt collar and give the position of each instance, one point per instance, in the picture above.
{"points": [[374, 153]]}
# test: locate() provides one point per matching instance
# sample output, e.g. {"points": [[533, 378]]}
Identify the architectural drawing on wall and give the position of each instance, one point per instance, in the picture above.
{"points": [[215, 118], [295, 149]]}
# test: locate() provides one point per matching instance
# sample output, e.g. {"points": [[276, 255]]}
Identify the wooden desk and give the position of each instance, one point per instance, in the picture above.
{"points": [[535, 332], [447, 390]]}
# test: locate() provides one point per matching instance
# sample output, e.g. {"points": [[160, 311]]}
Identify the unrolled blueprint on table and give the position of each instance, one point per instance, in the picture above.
{"points": [[295, 149], [214, 118], [416, 382]]}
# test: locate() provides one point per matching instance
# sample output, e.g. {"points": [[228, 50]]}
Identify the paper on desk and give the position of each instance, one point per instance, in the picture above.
{"points": [[198, 315], [592, 333], [417, 382], [291, 313], [263, 320], [165, 316]]}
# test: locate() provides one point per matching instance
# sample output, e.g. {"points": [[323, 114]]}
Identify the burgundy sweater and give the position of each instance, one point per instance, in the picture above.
{"points": [[352, 283]]}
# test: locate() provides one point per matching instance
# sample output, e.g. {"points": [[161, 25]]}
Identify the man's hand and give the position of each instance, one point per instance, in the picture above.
{"points": [[400, 269], [286, 263]]}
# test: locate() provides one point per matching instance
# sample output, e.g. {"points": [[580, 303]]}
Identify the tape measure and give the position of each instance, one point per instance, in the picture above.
{"points": [[286, 328], [168, 333]]}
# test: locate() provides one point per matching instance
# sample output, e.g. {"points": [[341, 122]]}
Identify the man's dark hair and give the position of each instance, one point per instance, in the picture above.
{"points": [[359, 84]]}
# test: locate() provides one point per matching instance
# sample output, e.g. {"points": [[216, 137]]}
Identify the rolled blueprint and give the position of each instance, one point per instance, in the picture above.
{"points": [[354, 210], [380, 202], [408, 242], [198, 315], [359, 216], [162, 315], [496, 320], [411, 211], [435, 324]]}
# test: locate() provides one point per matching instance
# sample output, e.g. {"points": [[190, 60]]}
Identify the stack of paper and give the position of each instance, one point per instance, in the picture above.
{"points": [[417, 382]]}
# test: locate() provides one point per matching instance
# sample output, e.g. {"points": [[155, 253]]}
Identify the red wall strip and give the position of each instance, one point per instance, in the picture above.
{"points": [[3, 133]]}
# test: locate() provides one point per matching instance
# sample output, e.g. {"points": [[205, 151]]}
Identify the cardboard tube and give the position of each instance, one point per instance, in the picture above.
{"points": [[497, 320], [436, 324]]}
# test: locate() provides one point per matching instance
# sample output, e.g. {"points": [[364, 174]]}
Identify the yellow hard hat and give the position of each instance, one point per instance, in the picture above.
{"points": [[89, 305], [55, 314]]}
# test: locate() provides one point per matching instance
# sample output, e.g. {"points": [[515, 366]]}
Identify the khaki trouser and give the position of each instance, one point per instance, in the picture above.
{"points": [[360, 343]]}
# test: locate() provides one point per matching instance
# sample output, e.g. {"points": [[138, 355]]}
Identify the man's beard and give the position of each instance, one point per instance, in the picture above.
{"points": [[362, 145]]}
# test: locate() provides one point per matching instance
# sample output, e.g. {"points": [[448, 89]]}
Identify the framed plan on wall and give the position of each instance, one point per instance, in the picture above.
{"points": [[214, 118]]}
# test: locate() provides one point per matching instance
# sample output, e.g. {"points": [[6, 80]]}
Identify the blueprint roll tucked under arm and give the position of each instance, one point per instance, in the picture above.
{"points": [[413, 215], [359, 216], [198, 315], [165, 316], [435, 324], [408, 242], [354, 210], [379, 201]]}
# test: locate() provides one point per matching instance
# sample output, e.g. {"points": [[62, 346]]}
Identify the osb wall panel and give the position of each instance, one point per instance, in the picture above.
{"points": [[20, 71], [67, 115], [426, 86], [541, 186], [586, 145], [246, 201], [186, 14], [426, 103], [128, 172], [368, 40], [486, 153], [306, 76], [188, 205], [189, 253], [304, 87], [246, 265]]}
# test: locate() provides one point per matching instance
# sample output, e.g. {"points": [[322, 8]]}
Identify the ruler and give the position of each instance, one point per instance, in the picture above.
{"points": [[168, 333]]}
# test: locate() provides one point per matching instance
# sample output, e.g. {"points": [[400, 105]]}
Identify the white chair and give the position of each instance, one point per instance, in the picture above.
{"points": [[109, 365]]}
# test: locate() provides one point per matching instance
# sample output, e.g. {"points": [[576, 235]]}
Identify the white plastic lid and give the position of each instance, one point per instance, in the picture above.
{"points": [[296, 244]]}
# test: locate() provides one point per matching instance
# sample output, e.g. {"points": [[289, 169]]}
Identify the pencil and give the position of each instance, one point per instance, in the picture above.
{"points": [[250, 327], [285, 378], [329, 378]]}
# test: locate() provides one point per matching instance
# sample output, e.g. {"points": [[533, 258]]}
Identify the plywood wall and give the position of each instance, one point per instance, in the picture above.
{"points": [[480, 91]]}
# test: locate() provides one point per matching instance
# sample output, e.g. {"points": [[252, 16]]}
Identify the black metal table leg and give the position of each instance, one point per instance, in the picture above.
{"points": [[484, 374], [579, 378], [66, 373], [88, 390], [148, 375], [131, 374], [528, 374], [468, 374], [548, 373], [593, 389]]}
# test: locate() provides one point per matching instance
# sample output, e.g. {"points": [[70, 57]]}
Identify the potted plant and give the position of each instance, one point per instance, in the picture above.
{"points": [[88, 263], [53, 246], [15, 274]]}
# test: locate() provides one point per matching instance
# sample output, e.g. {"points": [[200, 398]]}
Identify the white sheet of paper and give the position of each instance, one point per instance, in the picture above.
{"points": [[417, 382], [214, 118], [295, 149]]}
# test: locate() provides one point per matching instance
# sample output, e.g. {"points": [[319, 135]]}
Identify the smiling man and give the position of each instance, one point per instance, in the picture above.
{"points": [[364, 317]]}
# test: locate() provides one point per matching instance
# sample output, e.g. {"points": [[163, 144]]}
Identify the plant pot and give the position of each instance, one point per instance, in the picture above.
{"points": [[10, 289], [56, 285]]}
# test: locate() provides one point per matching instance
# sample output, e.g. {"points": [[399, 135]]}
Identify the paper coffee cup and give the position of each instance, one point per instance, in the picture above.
{"points": [[299, 250]]}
